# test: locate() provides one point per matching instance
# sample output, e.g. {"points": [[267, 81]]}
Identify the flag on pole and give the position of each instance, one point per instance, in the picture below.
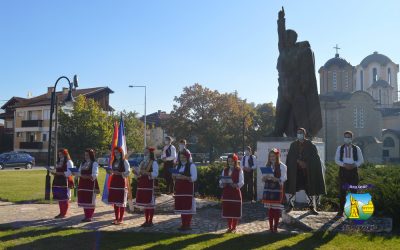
{"points": [[114, 142], [122, 145]]}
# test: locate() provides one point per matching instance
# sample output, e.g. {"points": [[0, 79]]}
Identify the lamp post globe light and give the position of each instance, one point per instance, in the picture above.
{"points": [[145, 124], [68, 106]]}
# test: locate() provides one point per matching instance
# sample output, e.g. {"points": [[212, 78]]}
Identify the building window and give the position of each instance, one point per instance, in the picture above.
{"points": [[380, 97], [334, 80], [374, 75], [388, 142], [362, 80], [18, 134], [389, 77], [44, 137], [29, 115], [46, 114], [8, 124], [346, 80], [359, 117], [385, 153]]}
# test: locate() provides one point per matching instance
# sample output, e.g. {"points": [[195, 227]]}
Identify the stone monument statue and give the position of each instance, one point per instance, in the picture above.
{"points": [[298, 102]]}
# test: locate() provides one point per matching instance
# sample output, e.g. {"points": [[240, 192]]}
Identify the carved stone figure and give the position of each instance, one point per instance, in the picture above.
{"points": [[298, 101]]}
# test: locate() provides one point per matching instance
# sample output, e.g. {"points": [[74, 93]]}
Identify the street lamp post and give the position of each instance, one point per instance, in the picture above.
{"points": [[68, 102], [145, 123]]}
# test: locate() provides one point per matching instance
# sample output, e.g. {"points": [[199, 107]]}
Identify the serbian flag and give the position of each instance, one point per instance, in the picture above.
{"points": [[122, 143], [114, 142]]}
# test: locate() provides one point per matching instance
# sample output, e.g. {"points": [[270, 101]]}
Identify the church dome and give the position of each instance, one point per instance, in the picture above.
{"points": [[375, 57], [340, 62]]}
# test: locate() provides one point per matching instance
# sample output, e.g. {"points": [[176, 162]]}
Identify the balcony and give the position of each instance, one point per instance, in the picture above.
{"points": [[31, 145], [31, 123]]}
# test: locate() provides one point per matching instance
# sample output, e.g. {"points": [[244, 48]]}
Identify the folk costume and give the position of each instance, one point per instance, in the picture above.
{"points": [[273, 196], [185, 203], [88, 188], [248, 165], [118, 190], [168, 157], [145, 197], [350, 154], [304, 172], [231, 194], [63, 182]]}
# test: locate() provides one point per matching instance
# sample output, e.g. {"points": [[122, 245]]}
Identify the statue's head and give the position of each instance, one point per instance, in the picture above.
{"points": [[291, 37]]}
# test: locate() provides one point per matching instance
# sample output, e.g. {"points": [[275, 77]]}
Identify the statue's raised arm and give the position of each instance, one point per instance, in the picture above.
{"points": [[281, 30]]}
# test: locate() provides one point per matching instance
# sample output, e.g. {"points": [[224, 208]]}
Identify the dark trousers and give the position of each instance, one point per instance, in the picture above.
{"points": [[248, 187], [346, 177], [168, 177]]}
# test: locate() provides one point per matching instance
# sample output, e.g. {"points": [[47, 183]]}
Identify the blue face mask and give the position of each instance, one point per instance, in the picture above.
{"points": [[347, 140]]}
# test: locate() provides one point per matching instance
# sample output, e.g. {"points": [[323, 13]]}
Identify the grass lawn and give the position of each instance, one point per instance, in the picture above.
{"points": [[28, 185], [57, 238]]}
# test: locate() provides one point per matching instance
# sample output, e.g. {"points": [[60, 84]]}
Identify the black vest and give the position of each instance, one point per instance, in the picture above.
{"points": [[250, 161], [355, 153]]}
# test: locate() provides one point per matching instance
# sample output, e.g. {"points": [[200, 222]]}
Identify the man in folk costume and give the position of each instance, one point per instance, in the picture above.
{"points": [[146, 173], [231, 194], [248, 165], [304, 171], [88, 187], [118, 190], [182, 147], [273, 195], [62, 182], [168, 157], [349, 158], [185, 203]]}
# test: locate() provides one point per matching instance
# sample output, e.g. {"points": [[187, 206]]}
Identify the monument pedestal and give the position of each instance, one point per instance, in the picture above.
{"points": [[283, 144]]}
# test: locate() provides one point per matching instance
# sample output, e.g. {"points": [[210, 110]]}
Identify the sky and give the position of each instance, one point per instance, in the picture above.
{"points": [[225, 45]]}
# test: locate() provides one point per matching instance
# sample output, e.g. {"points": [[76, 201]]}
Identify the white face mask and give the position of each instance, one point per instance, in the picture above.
{"points": [[246, 152], [181, 147], [347, 140], [166, 142], [183, 163], [300, 137], [146, 157]]}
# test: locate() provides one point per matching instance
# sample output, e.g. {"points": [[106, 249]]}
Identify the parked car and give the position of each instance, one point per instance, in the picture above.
{"points": [[16, 159], [200, 157], [224, 157], [103, 161], [135, 159]]}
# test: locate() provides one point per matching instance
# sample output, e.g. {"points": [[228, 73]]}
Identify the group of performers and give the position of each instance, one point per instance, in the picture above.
{"points": [[303, 171]]}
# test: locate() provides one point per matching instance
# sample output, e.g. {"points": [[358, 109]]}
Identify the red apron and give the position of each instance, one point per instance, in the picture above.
{"points": [[232, 197], [87, 189], [118, 191], [273, 193], [62, 184], [145, 192], [184, 197]]}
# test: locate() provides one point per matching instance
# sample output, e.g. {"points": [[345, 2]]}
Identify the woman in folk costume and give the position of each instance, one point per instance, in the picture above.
{"points": [[231, 194], [185, 203], [273, 189], [146, 174], [118, 190], [62, 182], [88, 187]]}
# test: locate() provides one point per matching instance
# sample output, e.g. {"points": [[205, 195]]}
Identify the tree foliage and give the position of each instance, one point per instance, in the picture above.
{"points": [[88, 126], [215, 122]]}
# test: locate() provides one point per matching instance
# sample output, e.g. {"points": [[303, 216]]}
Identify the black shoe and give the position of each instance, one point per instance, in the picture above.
{"points": [[339, 214], [86, 220], [313, 211]]}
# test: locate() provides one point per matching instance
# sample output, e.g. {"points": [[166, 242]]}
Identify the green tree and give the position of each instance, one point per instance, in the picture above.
{"points": [[88, 126], [133, 131], [213, 121]]}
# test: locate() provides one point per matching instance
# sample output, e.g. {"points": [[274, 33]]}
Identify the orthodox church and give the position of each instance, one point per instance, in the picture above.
{"points": [[363, 99]]}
